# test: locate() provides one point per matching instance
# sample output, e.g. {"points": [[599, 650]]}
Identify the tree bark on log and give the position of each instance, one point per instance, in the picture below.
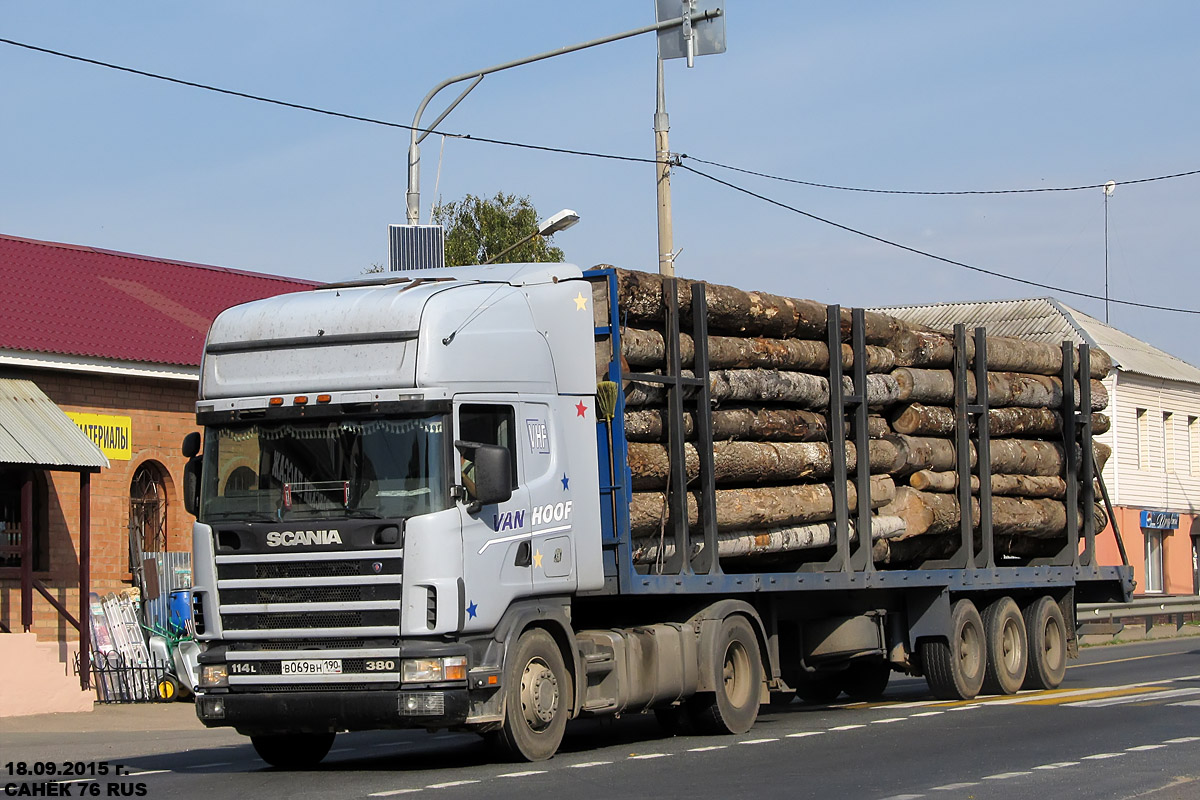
{"points": [[1009, 456], [646, 349], [897, 552], [740, 312], [915, 348], [755, 462], [936, 387], [769, 541], [928, 513], [766, 507], [1011, 485], [769, 386], [916, 419], [753, 424]]}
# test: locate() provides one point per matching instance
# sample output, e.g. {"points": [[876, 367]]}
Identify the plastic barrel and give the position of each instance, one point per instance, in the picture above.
{"points": [[179, 611]]}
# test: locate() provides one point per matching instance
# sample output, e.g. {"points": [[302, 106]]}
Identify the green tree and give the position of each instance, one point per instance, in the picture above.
{"points": [[477, 229]]}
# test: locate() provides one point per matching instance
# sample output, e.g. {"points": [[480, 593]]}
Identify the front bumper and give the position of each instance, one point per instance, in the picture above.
{"points": [[259, 713]]}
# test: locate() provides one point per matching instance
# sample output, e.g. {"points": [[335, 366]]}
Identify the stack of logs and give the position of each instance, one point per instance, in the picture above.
{"points": [[773, 463]]}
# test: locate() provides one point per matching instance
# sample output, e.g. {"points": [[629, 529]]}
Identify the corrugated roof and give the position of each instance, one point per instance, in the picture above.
{"points": [[33, 430], [1043, 319], [73, 300]]}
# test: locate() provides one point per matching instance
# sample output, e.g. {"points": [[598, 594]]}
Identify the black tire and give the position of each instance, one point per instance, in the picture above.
{"points": [[537, 698], [293, 750], [954, 668], [865, 680], [1047, 633], [819, 690], [1007, 647], [737, 676]]}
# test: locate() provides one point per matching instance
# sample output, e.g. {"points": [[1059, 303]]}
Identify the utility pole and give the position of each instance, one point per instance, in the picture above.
{"points": [[702, 32], [662, 155]]}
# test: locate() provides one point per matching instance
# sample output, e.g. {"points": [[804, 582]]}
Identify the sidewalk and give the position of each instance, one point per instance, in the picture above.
{"points": [[178, 716]]}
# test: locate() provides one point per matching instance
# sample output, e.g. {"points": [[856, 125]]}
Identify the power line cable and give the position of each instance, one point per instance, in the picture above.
{"points": [[927, 254], [562, 150], [937, 193], [612, 156]]}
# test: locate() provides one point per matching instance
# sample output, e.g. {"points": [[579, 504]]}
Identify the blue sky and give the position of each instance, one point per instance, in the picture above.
{"points": [[934, 96]]}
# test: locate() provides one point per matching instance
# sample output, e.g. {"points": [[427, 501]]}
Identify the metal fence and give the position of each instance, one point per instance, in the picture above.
{"points": [[1147, 612]]}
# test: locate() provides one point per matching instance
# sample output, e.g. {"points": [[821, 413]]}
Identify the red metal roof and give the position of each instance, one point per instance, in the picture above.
{"points": [[74, 300]]}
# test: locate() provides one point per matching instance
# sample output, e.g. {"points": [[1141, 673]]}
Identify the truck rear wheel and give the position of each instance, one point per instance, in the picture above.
{"points": [[293, 750], [537, 695], [954, 668], [1007, 647], [737, 678], [1047, 632]]}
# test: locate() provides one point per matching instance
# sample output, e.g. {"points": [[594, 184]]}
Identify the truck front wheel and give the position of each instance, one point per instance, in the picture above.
{"points": [[737, 679], [293, 750], [537, 696]]}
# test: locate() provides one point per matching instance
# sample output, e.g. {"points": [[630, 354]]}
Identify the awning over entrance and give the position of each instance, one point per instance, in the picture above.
{"points": [[34, 431]]}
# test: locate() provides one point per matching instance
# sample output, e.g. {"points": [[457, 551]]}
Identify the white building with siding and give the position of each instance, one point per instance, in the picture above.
{"points": [[1153, 476]]}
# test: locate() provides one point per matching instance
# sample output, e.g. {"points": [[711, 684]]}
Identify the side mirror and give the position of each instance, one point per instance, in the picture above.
{"points": [[487, 474], [191, 444], [191, 485]]}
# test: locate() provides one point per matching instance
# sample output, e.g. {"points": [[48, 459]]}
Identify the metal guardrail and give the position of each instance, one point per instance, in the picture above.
{"points": [[1177, 611]]}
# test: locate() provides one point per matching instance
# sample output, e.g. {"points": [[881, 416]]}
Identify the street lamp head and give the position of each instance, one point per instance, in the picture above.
{"points": [[559, 222]]}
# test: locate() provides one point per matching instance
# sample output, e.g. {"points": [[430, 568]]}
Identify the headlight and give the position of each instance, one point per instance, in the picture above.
{"points": [[433, 670], [214, 675]]}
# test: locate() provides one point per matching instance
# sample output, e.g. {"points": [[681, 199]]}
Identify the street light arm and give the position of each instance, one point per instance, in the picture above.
{"points": [[417, 134]]}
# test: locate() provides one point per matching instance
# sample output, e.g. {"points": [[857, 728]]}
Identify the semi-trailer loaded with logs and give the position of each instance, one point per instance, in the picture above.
{"points": [[500, 498]]}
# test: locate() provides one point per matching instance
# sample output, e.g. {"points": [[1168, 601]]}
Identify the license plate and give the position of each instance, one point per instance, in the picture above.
{"points": [[327, 666]]}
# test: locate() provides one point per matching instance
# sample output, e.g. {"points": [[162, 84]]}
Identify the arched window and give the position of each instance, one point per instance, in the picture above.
{"points": [[147, 514], [12, 532]]}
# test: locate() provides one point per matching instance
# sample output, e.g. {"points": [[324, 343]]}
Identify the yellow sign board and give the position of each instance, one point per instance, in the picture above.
{"points": [[111, 433]]}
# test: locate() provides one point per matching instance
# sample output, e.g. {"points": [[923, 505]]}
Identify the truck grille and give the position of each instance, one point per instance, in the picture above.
{"points": [[317, 596]]}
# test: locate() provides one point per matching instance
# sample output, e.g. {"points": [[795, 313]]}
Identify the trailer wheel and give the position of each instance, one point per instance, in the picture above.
{"points": [[537, 693], [293, 750], [1047, 632], [865, 680], [954, 668], [738, 676], [1007, 647]]}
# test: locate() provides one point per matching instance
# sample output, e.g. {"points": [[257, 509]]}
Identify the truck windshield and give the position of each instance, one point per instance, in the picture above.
{"points": [[386, 468]]}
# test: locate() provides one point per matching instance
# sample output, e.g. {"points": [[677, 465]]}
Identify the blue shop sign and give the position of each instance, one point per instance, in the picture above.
{"points": [[1160, 520]]}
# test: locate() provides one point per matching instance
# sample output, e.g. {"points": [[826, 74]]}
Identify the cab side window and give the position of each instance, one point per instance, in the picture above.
{"points": [[490, 424]]}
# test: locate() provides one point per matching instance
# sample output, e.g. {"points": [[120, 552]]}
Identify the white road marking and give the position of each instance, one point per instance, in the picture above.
{"points": [[967, 708], [393, 792], [758, 741], [1192, 703], [1003, 776], [449, 784], [213, 764], [1142, 747], [1137, 698], [343, 749], [645, 756], [78, 780], [802, 734], [904, 797], [929, 713], [1058, 765], [886, 721], [524, 774], [146, 772], [1182, 740], [952, 786], [706, 749], [847, 727], [589, 764], [1102, 756]]}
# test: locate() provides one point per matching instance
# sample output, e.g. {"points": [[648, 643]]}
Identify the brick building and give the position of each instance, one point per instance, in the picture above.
{"points": [[114, 341]]}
